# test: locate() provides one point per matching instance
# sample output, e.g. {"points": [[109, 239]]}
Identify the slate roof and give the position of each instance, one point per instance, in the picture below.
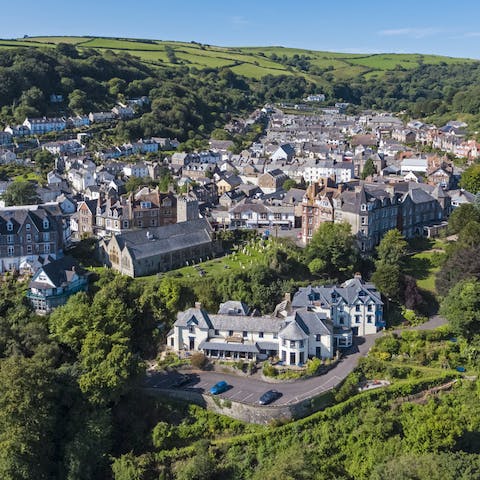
{"points": [[197, 315], [239, 323], [295, 330], [327, 296], [155, 241], [60, 272], [231, 347], [233, 307], [36, 214]]}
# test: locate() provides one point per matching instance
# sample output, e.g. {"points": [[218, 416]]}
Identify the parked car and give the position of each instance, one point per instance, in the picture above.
{"points": [[180, 381], [219, 387], [269, 397]]}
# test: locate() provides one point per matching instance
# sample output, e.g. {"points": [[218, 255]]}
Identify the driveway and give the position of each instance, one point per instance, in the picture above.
{"points": [[249, 389]]}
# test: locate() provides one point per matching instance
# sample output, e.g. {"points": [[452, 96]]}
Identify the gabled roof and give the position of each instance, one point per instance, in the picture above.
{"points": [[60, 272], [196, 316]]}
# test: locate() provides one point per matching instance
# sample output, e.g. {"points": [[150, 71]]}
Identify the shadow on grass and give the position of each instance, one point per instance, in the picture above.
{"points": [[419, 267], [430, 304]]}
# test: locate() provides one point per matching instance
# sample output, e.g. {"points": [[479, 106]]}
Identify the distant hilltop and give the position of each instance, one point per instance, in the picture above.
{"points": [[252, 62]]}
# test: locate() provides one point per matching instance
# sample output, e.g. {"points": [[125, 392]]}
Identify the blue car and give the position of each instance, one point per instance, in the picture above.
{"points": [[219, 387]]}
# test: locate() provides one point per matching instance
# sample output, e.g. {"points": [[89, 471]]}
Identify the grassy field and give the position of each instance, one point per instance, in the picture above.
{"points": [[253, 62]]}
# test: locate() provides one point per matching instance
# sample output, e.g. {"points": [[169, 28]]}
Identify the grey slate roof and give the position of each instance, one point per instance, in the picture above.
{"points": [[197, 316], [60, 272], [155, 241], [250, 324], [231, 347], [233, 307], [327, 296]]}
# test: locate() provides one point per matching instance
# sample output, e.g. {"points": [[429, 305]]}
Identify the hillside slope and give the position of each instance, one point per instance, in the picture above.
{"points": [[252, 62]]}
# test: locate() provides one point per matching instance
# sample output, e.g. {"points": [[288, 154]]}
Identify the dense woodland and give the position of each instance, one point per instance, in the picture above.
{"points": [[71, 403]]}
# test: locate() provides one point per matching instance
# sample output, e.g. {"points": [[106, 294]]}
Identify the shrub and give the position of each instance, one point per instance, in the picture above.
{"points": [[198, 360], [313, 365], [269, 370]]}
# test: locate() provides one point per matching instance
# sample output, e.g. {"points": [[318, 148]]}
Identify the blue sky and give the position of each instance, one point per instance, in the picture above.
{"points": [[421, 26]]}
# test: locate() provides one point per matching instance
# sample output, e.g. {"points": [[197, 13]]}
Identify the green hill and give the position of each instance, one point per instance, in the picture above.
{"points": [[252, 62]]}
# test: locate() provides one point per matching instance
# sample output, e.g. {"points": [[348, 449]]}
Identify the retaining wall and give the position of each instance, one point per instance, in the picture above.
{"points": [[243, 411]]}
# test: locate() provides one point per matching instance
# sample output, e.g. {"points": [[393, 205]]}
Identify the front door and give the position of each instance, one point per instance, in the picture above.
{"points": [[191, 343], [292, 358]]}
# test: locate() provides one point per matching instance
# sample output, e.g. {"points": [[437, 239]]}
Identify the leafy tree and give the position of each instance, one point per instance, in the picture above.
{"points": [[20, 193], [461, 216], [461, 263], [369, 169], [470, 179], [392, 248], [333, 244], [130, 467], [388, 279], [78, 101], [469, 235], [289, 184], [462, 308], [28, 411], [108, 368]]}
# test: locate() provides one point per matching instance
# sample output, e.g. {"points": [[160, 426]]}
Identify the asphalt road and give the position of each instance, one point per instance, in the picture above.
{"points": [[249, 389]]}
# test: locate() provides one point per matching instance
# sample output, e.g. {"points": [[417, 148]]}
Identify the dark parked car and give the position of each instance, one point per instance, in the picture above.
{"points": [[219, 387], [269, 397], [180, 381]]}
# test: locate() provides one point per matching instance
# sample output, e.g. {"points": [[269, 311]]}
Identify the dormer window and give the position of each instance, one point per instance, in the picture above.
{"points": [[9, 226], [145, 204], [46, 224]]}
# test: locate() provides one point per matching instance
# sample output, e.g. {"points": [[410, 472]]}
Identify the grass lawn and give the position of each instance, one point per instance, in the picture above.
{"points": [[28, 176], [424, 265]]}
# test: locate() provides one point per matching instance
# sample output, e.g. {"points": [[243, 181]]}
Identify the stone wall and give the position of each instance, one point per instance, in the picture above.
{"points": [[243, 411]]}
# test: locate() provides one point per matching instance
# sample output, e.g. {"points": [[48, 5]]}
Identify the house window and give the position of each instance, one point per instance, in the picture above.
{"points": [[275, 335], [340, 320], [29, 237], [27, 227], [191, 329], [10, 226], [29, 249], [10, 251], [46, 237], [217, 332], [46, 224], [260, 334], [284, 343], [245, 334], [292, 343], [230, 333], [363, 207], [300, 343], [369, 319], [357, 308], [9, 238], [369, 308], [357, 318], [318, 337], [46, 248]]}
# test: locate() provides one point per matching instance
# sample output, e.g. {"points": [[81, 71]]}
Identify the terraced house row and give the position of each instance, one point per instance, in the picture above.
{"points": [[373, 209]]}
